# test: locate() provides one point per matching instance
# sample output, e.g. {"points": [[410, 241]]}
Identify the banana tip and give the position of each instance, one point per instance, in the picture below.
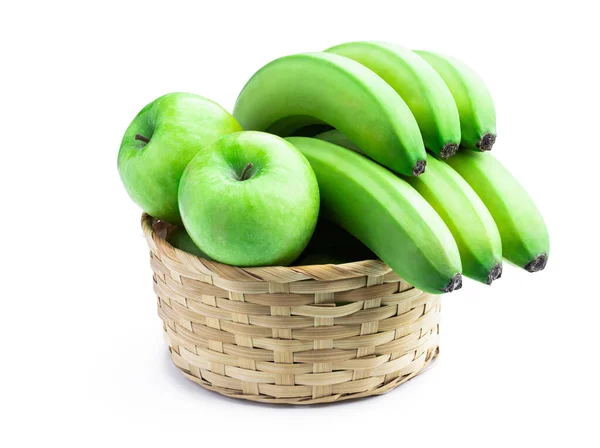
{"points": [[495, 273], [448, 150], [455, 283], [537, 264], [419, 168], [487, 142]]}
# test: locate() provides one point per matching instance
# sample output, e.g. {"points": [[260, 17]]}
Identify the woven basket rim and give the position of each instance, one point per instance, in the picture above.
{"points": [[280, 274]]}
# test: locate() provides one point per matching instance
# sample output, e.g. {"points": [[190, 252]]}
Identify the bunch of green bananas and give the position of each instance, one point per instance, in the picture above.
{"points": [[403, 165]]}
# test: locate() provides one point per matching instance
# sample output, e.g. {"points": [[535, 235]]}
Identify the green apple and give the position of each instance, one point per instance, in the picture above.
{"points": [[180, 239], [160, 142], [250, 199]]}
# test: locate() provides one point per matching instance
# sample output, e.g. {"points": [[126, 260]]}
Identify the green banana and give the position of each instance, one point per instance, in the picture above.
{"points": [[470, 222], [386, 214], [525, 240], [419, 85], [473, 100], [336, 137], [311, 88]]}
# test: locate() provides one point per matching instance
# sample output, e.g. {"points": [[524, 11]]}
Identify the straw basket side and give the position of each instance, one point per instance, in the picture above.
{"points": [[301, 335]]}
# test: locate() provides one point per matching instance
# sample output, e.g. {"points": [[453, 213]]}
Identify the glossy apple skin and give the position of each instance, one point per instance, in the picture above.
{"points": [[178, 126], [265, 220]]}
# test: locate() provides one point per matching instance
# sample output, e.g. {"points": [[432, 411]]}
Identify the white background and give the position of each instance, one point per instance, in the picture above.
{"points": [[84, 362]]}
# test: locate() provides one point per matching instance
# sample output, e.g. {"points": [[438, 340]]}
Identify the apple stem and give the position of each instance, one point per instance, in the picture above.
{"points": [[245, 171], [142, 138]]}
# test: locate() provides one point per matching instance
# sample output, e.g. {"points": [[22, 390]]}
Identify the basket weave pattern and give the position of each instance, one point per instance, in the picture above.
{"points": [[302, 334]]}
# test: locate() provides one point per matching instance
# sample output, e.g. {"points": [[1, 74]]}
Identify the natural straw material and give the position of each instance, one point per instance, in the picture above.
{"points": [[302, 335]]}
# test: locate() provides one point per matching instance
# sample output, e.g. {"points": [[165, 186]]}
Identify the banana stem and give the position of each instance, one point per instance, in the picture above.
{"points": [[419, 168], [486, 142], [448, 150], [537, 264], [455, 283], [495, 273]]}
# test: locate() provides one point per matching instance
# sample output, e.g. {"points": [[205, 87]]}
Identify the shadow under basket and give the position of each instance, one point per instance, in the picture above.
{"points": [[299, 335]]}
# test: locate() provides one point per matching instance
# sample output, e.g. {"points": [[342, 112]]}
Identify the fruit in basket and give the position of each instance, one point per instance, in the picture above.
{"points": [[315, 88], [160, 142], [419, 85], [386, 214], [250, 199], [464, 213], [473, 100], [331, 244], [525, 240], [180, 239]]}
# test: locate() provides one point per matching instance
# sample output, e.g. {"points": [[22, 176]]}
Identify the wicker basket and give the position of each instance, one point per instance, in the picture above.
{"points": [[301, 335]]}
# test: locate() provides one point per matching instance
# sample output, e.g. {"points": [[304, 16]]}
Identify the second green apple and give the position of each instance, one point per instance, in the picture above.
{"points": [[251, 199], [160, 142]]}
